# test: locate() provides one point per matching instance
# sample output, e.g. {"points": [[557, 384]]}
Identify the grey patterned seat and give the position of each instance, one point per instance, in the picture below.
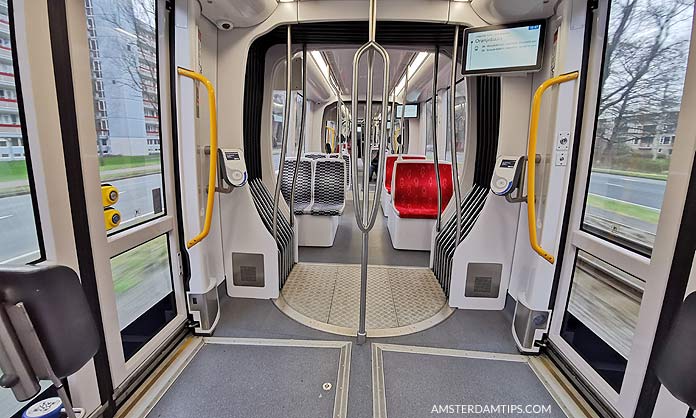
{"points": [[314, 155], [303, 188], [329, 187]]}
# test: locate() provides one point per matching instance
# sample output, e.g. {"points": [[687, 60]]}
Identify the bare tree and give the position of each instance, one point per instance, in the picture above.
{"points": [[644, 66], [136, 57]]}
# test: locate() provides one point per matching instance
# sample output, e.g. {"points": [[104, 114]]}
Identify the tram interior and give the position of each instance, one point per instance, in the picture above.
{"points": [[353, 208]]}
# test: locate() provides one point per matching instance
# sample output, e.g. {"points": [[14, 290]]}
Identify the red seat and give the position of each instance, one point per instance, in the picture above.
{"points": [[389, 168], [415, 188]]}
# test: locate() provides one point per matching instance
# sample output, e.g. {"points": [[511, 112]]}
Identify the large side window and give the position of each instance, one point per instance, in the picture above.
{"points": [[428, 114], [123, 48], [459, 123], [640, 98], [19, 221]]}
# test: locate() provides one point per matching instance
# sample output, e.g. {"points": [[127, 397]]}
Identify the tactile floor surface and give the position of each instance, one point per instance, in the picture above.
{"points": [[396, 296]]}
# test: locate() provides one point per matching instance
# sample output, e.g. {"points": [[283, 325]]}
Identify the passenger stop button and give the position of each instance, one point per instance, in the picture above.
{"points": [[501, 183]]}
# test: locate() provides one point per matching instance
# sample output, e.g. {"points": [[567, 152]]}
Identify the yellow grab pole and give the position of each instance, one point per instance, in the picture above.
{"points": [[212, 174], [531, 161], [332, 137]]}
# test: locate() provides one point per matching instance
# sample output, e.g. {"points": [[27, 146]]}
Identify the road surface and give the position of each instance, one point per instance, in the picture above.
{"points": [[17, 216], [645, 192]]}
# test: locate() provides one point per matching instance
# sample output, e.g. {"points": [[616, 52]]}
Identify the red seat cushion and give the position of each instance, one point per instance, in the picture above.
{"points": [[389, 168], [415, 194]]}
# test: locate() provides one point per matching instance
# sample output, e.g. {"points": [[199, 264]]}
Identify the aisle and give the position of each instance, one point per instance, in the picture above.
{"points": [[399, 299]]}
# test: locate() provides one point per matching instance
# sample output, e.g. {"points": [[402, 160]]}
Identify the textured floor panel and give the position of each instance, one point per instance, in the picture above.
{"points": [[395, 296], [455, 382], [312, 295], [250, 381]]}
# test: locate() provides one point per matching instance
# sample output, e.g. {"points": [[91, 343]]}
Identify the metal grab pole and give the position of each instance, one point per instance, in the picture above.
{"points": [[393, 124], [453, 139], [339, 107], [436, 159], [366, 214], [286, 129], [300, 140], [403, 116]]}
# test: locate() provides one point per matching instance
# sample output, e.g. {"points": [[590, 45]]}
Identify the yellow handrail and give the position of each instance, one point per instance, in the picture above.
{"points": [[212, 174], [395, 137], [531, 158], [333, 137]]}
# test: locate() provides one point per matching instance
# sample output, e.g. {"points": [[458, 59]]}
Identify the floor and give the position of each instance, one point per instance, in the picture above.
{"points": [[260, 362], [396, 296], [280, 368], [347, 248], [218, 383]]}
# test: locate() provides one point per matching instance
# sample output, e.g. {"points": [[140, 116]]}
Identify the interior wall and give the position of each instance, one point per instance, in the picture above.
{"points": [[207, 65]]}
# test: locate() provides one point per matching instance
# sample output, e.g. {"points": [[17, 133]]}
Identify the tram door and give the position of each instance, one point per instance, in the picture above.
{"points": [[628, 195], [123, 48]]}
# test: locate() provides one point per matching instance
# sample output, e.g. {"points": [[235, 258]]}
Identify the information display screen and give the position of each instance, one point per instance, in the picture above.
{"points": [[505, 48], [411, 111]]}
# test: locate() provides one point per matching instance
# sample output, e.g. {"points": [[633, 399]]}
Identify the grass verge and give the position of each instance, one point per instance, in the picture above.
{"points": [[17, 170], [624, 208], [139, 264], [652, 176]]}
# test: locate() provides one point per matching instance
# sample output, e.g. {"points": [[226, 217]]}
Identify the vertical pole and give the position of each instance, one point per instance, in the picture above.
{"points": [[453, 137], [367, 164], [300, 140], [366, 214], [339, 107], [436, 159], [403, 116], [286, 127]]}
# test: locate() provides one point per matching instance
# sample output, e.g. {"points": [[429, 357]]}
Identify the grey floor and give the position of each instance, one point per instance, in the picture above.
{"points": [[462, 383], [347, 247], [248, 318], [230, 382], [224, 381]]}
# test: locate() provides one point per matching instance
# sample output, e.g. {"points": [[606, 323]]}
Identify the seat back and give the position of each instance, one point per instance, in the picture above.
{"points": [[303, 188], [314, 155], [389, 167], [58, 309], [329, 182], [414, 188]]}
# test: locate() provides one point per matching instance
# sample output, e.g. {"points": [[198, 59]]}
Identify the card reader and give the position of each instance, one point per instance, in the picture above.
{"points": [[234, 173], [506, 175]]}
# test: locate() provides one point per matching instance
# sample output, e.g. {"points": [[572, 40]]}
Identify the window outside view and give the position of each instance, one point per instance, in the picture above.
{"points": [[16, 212], [123, 52], [643, 77]]}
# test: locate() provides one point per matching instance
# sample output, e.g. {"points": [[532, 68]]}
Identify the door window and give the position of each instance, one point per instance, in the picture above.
{"points": [[640, 98]]}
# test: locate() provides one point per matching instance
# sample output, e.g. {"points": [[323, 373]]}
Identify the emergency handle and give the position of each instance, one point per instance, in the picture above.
{"points": [[531, 156]]}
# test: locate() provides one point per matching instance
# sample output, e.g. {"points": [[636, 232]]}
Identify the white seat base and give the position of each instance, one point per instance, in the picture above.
{"points": [[410, 233], [385, 201], [317, 231]]}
